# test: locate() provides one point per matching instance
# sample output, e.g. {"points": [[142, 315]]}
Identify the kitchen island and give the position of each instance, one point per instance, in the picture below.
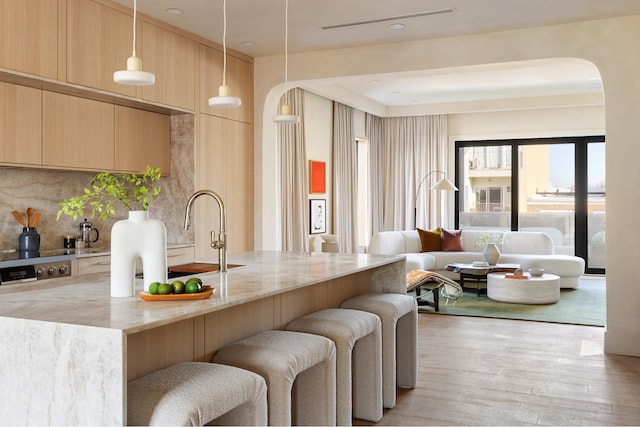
{"points": [[69, 349]]}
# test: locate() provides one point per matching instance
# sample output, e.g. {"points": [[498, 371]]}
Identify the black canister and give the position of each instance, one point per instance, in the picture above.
{"points": [[29, 240]]}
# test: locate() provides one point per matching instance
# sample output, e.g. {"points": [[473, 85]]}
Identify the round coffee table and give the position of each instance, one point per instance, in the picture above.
{"points": [[534, 290]]}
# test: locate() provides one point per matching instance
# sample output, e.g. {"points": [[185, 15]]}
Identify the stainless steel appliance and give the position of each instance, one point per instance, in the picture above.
{"points": [[15, 268]]}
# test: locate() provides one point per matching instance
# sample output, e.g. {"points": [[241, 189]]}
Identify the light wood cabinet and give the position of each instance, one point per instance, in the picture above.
{"points": [[224, 164], [239, 79], [78, 133], [99, 41], [29, 36], [172, 58], [94, 264], [142, 138], [20, 125]]}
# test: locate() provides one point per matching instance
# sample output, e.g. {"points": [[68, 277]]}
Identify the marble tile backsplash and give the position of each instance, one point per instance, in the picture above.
{"points": [[42, 190]]}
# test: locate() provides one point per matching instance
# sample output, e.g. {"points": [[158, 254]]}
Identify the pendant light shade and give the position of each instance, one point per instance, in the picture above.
{"points": [[133, 75], [223, 100], [285, 115]]}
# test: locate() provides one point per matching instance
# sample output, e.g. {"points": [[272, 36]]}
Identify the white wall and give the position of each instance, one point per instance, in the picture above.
{"points": [[318, 134], [610, 44]]}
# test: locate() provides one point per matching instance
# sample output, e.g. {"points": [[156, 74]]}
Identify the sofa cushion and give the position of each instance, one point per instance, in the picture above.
{"points": [[526, 242], [387, 243], [430, 240], [420, 261], [451, 240]]}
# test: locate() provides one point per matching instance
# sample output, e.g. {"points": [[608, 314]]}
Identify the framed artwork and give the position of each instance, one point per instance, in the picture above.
{"points": [[317, 216], [317, 177]]}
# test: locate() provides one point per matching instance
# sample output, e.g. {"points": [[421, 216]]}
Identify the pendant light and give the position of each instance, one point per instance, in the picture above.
{"points": [[285, 115], [133, 75], [223, 100]]}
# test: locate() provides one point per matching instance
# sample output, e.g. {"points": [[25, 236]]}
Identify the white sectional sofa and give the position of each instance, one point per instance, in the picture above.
{"points": [[529, 249]]}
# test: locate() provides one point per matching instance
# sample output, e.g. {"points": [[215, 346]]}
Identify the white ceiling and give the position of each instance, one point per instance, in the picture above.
{"points": [[262, 23]]}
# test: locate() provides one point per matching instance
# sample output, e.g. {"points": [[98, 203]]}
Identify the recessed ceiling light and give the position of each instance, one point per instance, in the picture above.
{"points": [[248, 43], [175, 11], [397, 26]]}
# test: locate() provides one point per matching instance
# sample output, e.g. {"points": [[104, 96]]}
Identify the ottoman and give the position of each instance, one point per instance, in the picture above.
{"points": [[534, 290]]}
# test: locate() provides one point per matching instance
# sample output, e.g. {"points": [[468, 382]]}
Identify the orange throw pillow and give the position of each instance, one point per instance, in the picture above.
{"points": [[451, 240], [430, 240]]}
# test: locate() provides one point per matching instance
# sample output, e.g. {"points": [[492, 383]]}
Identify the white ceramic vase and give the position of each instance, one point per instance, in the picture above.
{"points": [[133, 238], [491, 253]]}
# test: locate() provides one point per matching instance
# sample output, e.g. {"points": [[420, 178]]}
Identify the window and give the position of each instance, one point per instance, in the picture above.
{"points": [[558, 188]]}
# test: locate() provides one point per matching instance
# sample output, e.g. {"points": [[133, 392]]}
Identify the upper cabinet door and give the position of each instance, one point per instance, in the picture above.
{"points": [[142, 138], [29, 36], [20, 125], [239, 79], [172, 58], [99, 41], [77, 133]]}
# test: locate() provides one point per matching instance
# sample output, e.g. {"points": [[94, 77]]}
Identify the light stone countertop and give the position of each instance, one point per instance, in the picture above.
{"points": [[85, 300]]}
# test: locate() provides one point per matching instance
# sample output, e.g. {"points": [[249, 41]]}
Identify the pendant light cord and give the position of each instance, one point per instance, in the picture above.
{"points": [[134, 27], [286, 46], [224, 42]]}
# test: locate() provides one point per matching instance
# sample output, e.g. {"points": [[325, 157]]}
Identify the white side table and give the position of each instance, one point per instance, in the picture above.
{"points": [[535, 290]]}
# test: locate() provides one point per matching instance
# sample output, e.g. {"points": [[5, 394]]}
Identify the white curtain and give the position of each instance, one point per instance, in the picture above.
{"points": [[408, 149], [345, 177], [373, 130], [293, 186]]}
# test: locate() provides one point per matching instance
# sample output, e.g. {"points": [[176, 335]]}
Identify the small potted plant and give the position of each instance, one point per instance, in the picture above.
{"points": [[491, 252], [132, 238], [135, 191]]}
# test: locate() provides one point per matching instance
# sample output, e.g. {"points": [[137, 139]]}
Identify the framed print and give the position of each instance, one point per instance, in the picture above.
{"points": [[317, 177], [318, 216]]}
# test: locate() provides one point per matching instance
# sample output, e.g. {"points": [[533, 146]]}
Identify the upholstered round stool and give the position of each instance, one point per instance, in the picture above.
{"points": [[282, 358], [358, 339], [197, 393], [399, 315]]}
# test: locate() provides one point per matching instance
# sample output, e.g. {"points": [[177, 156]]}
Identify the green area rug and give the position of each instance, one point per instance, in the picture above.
{"points": [[585, 305]]}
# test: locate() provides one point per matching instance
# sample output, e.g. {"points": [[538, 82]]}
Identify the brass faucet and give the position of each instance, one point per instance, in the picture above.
{"points": [[221, 242]]}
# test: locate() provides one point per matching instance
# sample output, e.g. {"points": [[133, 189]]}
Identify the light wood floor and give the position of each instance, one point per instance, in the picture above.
{"points": [[480, 371]]}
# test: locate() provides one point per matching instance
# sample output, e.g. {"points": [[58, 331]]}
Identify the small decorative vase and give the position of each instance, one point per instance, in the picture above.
{"points": [[29, 243], [491, 253], [133, 238]]}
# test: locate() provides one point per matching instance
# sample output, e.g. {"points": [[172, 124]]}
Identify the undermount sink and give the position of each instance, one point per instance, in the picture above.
{"points": [[195, 268], [192, 268]]}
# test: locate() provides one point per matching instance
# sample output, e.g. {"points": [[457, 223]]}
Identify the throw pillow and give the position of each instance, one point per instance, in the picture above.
{"points": [[429, 240], [451, 240]]}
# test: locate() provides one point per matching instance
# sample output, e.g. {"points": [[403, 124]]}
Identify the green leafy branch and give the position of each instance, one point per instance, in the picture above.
{"points": [[135, 191]]}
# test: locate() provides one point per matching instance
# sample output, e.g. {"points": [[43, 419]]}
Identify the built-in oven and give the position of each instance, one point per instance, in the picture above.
{"points": [[16, 267]]}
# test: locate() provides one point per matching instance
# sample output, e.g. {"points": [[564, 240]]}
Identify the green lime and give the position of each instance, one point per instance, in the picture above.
{"points": [[165, 289], [153, 288], [192, 287], [195, 279], [178, 286]]}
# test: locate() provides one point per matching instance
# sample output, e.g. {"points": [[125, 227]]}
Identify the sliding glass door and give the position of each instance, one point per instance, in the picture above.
{"points": [[553, 185]]}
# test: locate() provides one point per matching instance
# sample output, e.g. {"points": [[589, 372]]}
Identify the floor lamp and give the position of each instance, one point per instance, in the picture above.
{"points": [[443, 185]]}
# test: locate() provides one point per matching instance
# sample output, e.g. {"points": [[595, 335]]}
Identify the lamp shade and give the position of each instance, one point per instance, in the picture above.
{"points": [[223, 100], [445, 185], [285, 116]]}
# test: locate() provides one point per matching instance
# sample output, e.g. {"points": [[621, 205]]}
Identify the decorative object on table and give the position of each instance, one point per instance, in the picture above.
{"points": [[317, 177], [318, 216], [536, 272], [29, 239], [137, 236], [491, 252], [442, 185]]}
